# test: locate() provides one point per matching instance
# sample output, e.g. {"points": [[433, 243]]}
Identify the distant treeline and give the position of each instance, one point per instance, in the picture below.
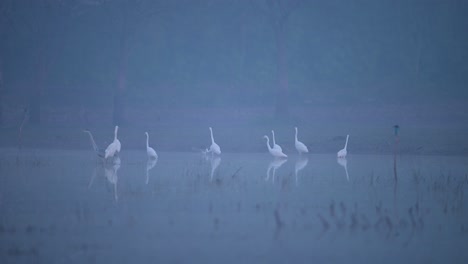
{"points": [[215, 53]]}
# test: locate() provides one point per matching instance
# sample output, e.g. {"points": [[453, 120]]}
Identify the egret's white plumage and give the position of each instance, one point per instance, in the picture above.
{"points": [[113, 147], [117, 141], [275, 146], [214, 162], [149, 150], [149, 165], [300, 147], [214, 148], [274, 152], [344, 163], [342, 153]]}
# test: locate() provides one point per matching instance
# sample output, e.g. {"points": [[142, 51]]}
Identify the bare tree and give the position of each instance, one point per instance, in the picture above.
{"points": [[2, 92], [41, 28], [278, 13], [44, 21], [417, 29], [5, 24], [132, 15]]}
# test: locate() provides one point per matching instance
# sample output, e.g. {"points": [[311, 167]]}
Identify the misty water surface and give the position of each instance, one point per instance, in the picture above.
{"points": [[64, 207]]}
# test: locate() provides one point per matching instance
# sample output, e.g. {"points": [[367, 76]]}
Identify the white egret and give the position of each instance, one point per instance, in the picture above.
{"points": [[149, 165], [300, 147], [274, 152], [214, 162], [149, 150], [275, 146], [274, 164], [214, 148], [113, 147], [342, 153], [99, 152], [344, 163]]}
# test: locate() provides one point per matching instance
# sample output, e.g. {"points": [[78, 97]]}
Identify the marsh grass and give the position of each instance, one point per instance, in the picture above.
{"points": [[237, 205], [27, 162]]}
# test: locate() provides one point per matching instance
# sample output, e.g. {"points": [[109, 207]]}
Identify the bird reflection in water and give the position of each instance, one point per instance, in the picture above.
{"points": [[149, 165], [110, 171], [343, 162], [93, 176], [274, 164], [301, 163], [214, 162]]}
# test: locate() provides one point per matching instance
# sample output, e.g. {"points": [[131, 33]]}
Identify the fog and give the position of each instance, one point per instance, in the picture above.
{"points": [[251, 131], [243, 67]]}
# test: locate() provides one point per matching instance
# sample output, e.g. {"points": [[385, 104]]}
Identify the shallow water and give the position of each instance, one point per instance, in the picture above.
{"points": [[64, 207]]}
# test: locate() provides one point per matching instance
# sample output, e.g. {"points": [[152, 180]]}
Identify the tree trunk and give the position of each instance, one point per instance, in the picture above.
{"points": [[418, 58], [35, 103], [242, 48], [282, 93], [119, 95], [1, 93], [119, 104]]}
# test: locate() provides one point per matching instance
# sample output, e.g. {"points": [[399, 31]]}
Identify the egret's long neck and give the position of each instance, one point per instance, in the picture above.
{"points": [[273, 133], [147, 141], [346, 144], [268, 143], [212, 139], [115, 133], [92, 142], [95, 147], [296, 135], [115, 192]]}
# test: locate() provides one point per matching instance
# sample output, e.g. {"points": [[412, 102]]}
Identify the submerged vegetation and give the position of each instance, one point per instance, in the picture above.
{"points": [[194, 196]]}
